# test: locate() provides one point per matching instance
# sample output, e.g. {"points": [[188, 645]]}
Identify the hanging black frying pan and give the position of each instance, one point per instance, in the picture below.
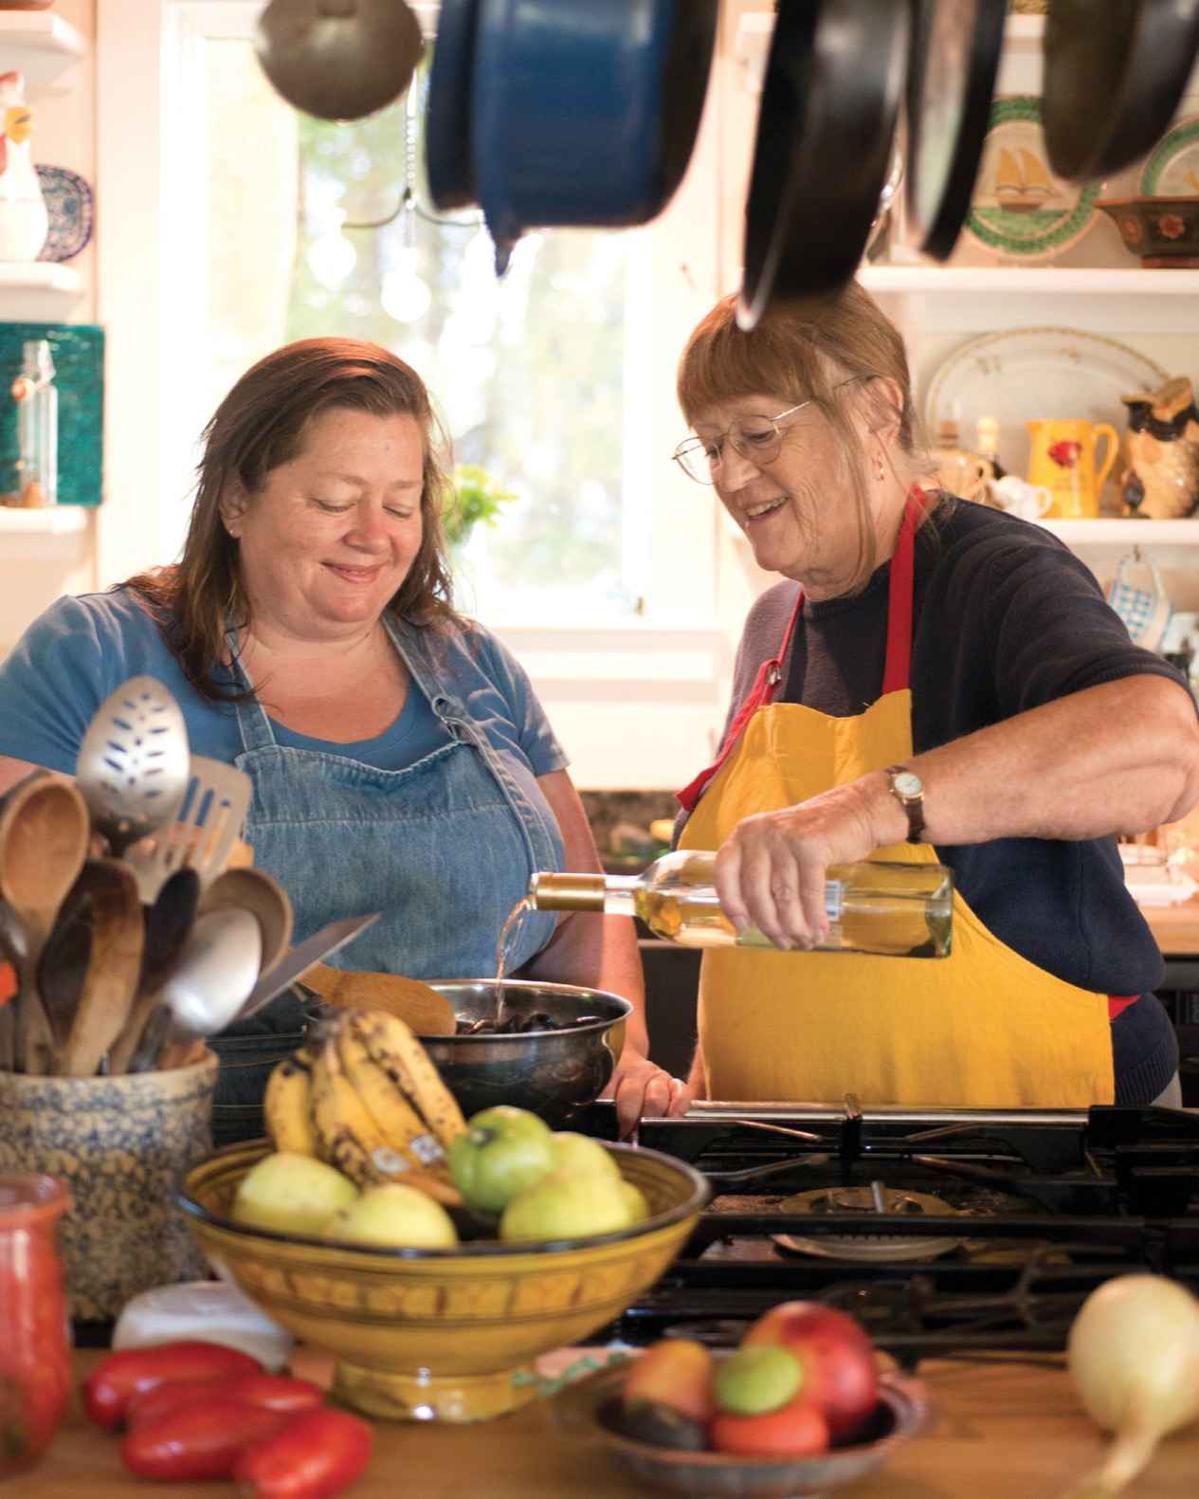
{"points": [[1113, 76], [830, 99], [448, 164], [954, 58]]}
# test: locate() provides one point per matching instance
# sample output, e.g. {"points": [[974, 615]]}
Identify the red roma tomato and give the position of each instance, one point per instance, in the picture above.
{"points": [[203, 1440], [794, 1430], [115, 1380], [272, 1392], [315, 1456]]}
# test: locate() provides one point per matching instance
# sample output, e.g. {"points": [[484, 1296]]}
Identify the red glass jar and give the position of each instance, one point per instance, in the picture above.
{"points": [[35, 1356]]}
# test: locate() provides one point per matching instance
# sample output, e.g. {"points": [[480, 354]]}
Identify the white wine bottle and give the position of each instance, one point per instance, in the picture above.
{"points": [[891, 910]]}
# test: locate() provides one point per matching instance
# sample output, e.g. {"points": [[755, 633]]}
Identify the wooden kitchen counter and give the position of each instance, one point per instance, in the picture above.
{"points": [[1000, 1429], [1176, 928]]}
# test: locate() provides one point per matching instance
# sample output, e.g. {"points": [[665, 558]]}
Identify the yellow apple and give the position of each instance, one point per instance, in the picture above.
{"points": [[394, 1216], [291, 1194]]}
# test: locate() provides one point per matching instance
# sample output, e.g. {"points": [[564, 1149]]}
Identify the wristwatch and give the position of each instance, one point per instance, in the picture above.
{"points": [[908, 790]]}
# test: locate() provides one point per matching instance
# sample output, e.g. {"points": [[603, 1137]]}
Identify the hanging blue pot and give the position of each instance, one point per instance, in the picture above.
{"points": [[585, 114]]}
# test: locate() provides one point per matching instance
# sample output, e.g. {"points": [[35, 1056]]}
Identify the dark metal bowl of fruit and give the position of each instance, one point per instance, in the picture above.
{"points": [[800, 1408], [549, 1048]]}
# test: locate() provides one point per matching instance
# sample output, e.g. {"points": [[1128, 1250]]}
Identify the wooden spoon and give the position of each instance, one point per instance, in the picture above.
{"points": [[168, 922], [44, 835], [255, 891], [416, 1003], [114, 963], [13, 952]]}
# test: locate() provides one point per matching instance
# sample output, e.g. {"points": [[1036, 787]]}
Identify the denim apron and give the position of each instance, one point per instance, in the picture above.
{"points": [[443, 849]]}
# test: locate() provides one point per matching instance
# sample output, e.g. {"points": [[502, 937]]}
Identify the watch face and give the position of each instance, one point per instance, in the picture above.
{"points": [[908, 783]]}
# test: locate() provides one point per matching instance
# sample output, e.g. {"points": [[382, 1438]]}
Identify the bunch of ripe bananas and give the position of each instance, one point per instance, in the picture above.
{"points": [[366, 1098]]}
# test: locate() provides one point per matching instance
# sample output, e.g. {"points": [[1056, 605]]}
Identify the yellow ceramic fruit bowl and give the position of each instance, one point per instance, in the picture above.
{"points": [[443, 1334]]}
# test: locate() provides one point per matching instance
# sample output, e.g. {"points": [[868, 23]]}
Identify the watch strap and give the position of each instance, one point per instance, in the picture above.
{"points": [[913, 806]]}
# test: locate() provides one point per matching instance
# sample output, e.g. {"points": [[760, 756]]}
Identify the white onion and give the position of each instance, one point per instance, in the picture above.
{"points": [[1134, 1358]]}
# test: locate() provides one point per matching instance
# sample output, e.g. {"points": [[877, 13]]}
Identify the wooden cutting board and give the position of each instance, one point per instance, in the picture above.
{"points": [[1000, 1430]]}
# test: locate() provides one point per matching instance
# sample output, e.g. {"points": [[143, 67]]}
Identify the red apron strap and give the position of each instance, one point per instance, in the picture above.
{"points": [[899, 647], [897, 674], [766, 684]]}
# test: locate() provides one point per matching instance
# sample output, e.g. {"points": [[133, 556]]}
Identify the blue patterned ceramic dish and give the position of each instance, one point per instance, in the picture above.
{"points": [[69, 205]]}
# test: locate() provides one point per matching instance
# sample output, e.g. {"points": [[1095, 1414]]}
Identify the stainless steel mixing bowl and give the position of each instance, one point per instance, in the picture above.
{"points": [[550, 1072]]}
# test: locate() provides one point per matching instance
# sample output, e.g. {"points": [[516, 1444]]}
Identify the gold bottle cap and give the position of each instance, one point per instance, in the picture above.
{"points": [[567, 892]]}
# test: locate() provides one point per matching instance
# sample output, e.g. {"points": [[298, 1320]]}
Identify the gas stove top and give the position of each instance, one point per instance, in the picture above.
{"points": [[944, 1231]]}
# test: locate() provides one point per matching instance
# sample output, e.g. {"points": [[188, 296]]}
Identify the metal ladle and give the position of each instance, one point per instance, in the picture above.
{"points": [[266, 900], [339, 59], [134, 764], [212, 980]]}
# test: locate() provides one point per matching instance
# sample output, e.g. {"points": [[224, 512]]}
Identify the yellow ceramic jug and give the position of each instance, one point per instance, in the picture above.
{"points": [[1063, 460]]}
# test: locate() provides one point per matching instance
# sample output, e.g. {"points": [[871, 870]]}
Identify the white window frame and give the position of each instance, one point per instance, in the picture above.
{"points": [[675, 652]]}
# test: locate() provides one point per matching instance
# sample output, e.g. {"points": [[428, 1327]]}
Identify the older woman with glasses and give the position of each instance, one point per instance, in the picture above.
{"points": [[931, 679]]}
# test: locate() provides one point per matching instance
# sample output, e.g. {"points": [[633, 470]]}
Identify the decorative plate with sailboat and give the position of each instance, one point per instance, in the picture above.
{"points": [[1172, 169], [1020, 208]]}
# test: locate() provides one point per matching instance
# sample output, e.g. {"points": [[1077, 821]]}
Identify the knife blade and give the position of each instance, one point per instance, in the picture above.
{"points": [[299, 959]]}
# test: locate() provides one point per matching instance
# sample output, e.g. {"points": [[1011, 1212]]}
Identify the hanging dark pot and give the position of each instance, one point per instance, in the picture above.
{"points": [[1113, 76], [954, 59], [585, 115], [449, 167], [339, 59], [829, 104]]}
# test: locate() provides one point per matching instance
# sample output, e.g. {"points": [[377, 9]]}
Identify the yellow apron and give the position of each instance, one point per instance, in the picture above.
{"points": [[981, 1028]]}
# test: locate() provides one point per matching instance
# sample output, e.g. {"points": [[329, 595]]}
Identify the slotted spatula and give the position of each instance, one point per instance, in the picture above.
{"points": [[202, 834]]}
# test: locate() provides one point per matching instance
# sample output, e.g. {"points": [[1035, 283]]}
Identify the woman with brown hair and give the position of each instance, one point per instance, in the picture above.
{"points": [[932, 680], [399, 758]]}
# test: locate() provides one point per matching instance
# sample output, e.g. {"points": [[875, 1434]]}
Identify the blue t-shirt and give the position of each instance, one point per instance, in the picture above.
{"points": [[81, 649]]}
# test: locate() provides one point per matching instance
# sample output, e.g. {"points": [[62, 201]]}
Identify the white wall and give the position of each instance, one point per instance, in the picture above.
{"points": [[36, 569]]}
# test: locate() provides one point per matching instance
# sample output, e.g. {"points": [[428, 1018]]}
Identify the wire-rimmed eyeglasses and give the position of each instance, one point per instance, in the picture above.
{"points": [[757, 438]]}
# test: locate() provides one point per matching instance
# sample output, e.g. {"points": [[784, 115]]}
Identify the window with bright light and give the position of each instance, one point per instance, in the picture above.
{"points": [[289, 227]]}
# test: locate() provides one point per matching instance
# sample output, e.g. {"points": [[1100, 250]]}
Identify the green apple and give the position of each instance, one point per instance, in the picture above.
{"points": [[757, 1380], [503, 1151], [291, 1194], [580, 1155], [394, 1216], [567, 1206]]}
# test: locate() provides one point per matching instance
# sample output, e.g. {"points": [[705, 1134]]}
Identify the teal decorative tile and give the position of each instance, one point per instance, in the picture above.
{"points": [[78, 353]]}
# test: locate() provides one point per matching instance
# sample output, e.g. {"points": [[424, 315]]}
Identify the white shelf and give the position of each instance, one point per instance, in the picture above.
{"points": [[1033, 280], [45, 520], [40, 44], [39, 275], [1115, 531]]}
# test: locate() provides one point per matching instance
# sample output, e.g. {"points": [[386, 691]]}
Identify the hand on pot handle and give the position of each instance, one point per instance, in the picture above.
{"points": [[644, 1090]]}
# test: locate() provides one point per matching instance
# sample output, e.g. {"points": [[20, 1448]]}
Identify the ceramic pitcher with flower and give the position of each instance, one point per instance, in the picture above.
{"points": [[23, 219], [1063, 460]]}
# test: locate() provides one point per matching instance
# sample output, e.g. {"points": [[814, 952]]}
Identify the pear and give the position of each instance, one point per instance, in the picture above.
{"points": [[635, 1200], [291, 1194], [394, 1216], [564, 1205], [581, 1155]]}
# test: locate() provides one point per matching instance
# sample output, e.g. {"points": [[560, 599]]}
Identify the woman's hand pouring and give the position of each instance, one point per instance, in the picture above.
{"points": [[770, 871]]}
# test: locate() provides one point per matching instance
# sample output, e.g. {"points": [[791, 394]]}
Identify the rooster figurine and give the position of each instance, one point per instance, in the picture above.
{"points": [[1162, 477], [23, 219]]}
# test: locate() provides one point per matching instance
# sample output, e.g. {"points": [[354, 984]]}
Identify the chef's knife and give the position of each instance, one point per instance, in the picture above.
{"points": [[299, 960]]}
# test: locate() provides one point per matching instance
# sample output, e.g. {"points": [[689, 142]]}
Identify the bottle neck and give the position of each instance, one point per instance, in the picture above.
{"points": [[611, 893]]}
